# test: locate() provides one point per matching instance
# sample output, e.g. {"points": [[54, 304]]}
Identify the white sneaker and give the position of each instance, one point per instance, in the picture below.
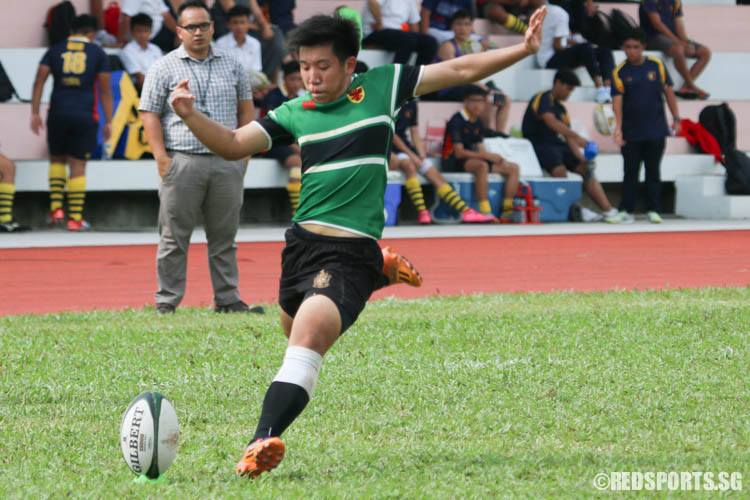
{"points": [[589, 215], [622, 217], [654, 218], [603, 94]]}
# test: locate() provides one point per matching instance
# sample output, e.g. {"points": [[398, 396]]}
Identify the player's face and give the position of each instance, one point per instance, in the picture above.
{"points": [[323, 74], [562, 90], [633, 51], [475, 104], [462, 28], [239, 26], [293, 83], [193, 35], [141, 34]]}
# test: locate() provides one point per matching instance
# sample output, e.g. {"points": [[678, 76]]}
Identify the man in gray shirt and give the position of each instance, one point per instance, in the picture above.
{"points": [[194, 180]]}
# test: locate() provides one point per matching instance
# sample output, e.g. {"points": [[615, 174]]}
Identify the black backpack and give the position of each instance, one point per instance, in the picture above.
{"points": [[7, 90], [737, 164], [720, 122], [623, 25], [60, 21]]}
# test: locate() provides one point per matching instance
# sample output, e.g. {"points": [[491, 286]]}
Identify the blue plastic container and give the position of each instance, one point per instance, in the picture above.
{"points": [[392, 201], [555, 196]]}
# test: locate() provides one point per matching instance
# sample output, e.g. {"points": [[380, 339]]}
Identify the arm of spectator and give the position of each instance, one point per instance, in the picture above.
{"points": [[417, 140], [558, 45], [575, 148], [155, 138], [265, 26], [617, 109], [551, 121], [36, 97], [374, 7], [105, 94], [97, 10], [490, 157], [445, 51], [474, 67], [123, 29], [672, 104], [424, 20], [661, 27], [681, 32], [169, 21]]}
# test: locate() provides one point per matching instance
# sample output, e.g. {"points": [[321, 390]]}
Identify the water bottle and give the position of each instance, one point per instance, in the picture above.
{"points": [[519, 214]]}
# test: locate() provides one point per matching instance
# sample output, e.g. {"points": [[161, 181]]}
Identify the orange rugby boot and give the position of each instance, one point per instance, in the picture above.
{"points": [[260, 456], [399, 269]]}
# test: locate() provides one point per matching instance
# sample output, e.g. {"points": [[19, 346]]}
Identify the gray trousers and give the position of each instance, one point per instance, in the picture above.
{"points": [[195, 185]]}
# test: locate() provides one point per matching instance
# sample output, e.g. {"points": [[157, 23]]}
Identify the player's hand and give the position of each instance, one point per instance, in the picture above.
{"points": [[494, 158], [677, 127], [163, 163], [182, 99], [617, 136], [106, 131], [533, 36], [36, 124]]}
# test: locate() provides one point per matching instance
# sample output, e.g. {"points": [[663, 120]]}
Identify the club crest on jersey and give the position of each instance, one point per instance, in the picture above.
{"points": [[652, 75], [322, 279], [356, 95]]}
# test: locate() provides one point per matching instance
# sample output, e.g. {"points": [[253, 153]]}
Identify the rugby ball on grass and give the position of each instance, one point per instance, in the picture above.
{"points": [[149, 434], [604, 119]]}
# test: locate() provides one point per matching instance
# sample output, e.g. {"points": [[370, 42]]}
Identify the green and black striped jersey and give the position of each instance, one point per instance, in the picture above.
{"points": [[345, 146]]}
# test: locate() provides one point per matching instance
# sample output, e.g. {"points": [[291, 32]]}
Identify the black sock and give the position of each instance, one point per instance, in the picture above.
{"points": [[282, 404]]}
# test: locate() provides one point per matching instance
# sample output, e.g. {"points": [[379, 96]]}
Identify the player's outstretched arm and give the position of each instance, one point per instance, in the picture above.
{"points": [[230, 144], [473, 67]]}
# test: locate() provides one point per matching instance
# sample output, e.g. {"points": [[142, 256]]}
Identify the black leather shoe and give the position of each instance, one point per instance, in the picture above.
{"points": [[239, 307]]}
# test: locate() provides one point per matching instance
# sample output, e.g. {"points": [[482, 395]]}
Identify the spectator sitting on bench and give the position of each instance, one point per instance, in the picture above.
{"points": [[410, 157], [436, 18], [163, 23], [462, 44], [463, 151], [244, 48], [559, 50], [665, 31], [139, 54], [547, 125], [7, 192], [393, 25], [288, 156]]}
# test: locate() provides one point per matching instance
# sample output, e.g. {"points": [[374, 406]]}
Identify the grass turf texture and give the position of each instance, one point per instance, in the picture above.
{"points": [[521, 395]]}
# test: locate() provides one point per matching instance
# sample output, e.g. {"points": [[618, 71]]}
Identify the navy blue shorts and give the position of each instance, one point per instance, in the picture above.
{"points": [[71, 135], [551, 156], [346, 270]]}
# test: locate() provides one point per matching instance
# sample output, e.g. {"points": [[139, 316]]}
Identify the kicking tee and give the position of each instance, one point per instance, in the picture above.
{"points": [[344, 147]]}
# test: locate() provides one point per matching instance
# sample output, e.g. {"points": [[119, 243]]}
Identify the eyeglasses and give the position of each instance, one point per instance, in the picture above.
{"points": [[192, 28]]}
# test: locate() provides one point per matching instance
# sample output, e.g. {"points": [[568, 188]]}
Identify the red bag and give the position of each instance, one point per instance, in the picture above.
{"points": [[112, 18]]}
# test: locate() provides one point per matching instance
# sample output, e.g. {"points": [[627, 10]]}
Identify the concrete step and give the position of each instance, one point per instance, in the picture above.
{"points": [[704, 197]]}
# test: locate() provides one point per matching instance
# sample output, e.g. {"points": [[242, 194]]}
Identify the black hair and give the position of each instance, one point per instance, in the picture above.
{"points": [[84, 24], [340, 33], [141, 19], [635, 34], [460, 14], [192, 4], [470, 90], [290, 67], [238, 11], [567, 76], [361, 67]]}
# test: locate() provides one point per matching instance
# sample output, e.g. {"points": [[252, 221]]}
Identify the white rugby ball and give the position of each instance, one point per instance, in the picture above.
{"points": [[149, 434], [604, 119]]}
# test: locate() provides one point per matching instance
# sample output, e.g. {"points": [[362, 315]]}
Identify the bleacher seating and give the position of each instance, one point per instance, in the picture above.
{"points": [[698, 181]]}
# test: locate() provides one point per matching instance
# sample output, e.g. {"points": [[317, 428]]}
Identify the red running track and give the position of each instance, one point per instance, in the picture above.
{"points": [[44, 280]]}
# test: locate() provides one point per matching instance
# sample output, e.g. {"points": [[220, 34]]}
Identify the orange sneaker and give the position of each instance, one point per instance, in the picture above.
{"points": [[399, 269], [260, 456], [78, 225], [55, 217]]}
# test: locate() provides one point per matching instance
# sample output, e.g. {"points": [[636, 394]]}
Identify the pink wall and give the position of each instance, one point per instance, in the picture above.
{"points": [[23, 20]]}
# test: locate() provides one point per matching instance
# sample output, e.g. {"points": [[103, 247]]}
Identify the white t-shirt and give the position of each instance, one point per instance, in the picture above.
{"points": [[248, 55], [555, 26], [138, 60], [154, 8], [393, 12]]}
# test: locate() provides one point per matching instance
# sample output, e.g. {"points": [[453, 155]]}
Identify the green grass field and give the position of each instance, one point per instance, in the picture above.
{"points": [[523, 395]]}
